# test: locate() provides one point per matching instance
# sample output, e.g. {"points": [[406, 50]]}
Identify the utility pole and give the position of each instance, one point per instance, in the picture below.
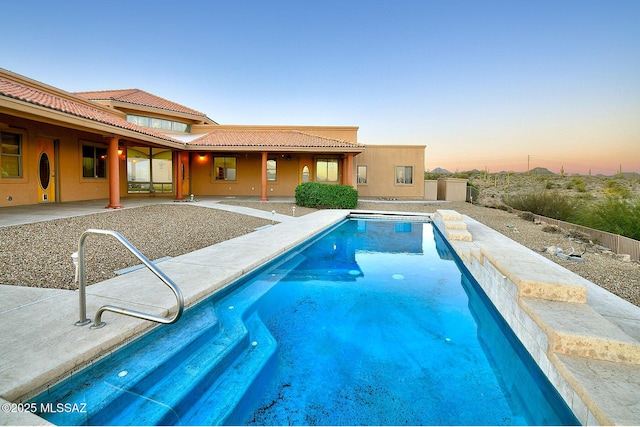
{"points": [[528, 163]]}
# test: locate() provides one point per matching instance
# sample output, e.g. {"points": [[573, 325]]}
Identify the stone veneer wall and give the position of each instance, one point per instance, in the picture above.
{"points": [[545, 305]]}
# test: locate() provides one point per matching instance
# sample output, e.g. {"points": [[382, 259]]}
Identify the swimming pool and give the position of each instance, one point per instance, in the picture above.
{"points": [[371, 323]]}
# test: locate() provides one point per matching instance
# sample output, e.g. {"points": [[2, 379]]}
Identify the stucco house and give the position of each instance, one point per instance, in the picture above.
{"points": [[59, 146]]}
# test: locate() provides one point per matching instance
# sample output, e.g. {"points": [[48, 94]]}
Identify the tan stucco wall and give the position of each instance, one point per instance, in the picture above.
{"points": [[431, 189], [68, 173], [452, 189], [71, 186], [381, 162], [248, 175]]}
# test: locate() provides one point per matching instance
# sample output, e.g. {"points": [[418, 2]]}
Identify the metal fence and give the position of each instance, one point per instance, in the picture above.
{"points": [[617, 243]]}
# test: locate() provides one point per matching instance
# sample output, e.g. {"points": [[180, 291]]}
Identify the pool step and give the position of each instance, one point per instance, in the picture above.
{"points": [[231, 393], [155, 377], [110, 379], [168, 393], [160, 397], [451, 224]]}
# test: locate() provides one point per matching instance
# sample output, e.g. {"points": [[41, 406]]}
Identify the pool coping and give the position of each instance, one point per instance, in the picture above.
{"points": [[585, 339], [589, 386]]}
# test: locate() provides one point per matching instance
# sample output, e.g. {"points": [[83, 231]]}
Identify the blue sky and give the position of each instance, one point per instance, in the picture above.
{"points": [[481, 83]]}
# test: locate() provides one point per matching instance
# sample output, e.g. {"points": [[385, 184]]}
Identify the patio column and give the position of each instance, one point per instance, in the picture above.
{"points": [[350, 169], [178, 168], [113, 161], [263, 185]]}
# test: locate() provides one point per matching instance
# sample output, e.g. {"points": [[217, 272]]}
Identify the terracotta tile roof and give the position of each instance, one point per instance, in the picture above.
{"points": [[37, 97], [79, 106], [139, 97], [271, 138]]}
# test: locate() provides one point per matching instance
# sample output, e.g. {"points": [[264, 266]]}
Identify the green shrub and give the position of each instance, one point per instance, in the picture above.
{"points": [[432, 176], [577, 184], [615, 188], [615, 215], [326, 196], [546, 203]]}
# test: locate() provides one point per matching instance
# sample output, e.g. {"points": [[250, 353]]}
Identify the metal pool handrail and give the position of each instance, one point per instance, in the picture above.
{"points": [[97, 322]]}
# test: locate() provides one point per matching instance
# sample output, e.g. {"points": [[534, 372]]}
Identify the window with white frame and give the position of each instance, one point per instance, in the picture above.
{"points": [[157, 123]]}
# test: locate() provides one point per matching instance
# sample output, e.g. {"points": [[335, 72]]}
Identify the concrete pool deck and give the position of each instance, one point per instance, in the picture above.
{"points": [[578, 343], [40, 343]]}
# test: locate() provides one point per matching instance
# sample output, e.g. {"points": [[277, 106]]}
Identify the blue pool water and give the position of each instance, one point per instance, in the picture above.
{"points": [[371, 324]]}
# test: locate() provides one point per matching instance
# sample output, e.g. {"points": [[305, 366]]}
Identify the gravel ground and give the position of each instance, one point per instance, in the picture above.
{"points": [[39, 255]]}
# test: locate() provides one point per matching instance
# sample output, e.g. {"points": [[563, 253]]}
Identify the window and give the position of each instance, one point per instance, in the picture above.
{"points": [[149, 170], [11, 155], [327, 170], [224, 168], [94, 162], [271, 170], [404, 174], [362, 174], [156, 123]]}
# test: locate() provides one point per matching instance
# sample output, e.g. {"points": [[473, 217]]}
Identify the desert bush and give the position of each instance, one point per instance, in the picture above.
{"points": [[615, 214], [500, 207], [577, 184], [462, 175], [546, 203], [432, 176], [551, 229], [616, 188], [326, 196], [578, 235], [527, 216]]}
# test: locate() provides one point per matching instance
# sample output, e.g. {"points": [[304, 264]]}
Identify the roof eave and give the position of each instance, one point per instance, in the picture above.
{"points": [[36, 112], [270, 149], [54, 91]]}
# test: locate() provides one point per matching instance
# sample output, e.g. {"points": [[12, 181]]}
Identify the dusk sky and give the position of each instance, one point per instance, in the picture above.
{"points": [[483, 84]]}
